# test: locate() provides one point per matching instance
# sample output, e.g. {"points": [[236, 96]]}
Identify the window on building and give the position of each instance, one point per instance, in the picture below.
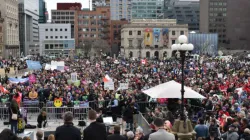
{"points": [[55, 29], [46, 37], [173, 32], [56, 37], [51, 37], [130, 43], [51, 46], [51, 29], [66, 29], [173, 41], [46, 46], [46, 29], [130, 33], [139, 33], [61, 29], [61, 37], [66, 37], [182, 32]]}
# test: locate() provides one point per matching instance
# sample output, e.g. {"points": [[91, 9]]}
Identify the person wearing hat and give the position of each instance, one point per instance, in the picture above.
{"points": [[246, 134], [231, 134]]}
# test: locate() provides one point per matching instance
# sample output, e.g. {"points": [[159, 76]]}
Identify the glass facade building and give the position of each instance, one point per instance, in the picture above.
{"points": [[120, 9], [145, 9], [186, 12], [28, 26], [42, 12]]}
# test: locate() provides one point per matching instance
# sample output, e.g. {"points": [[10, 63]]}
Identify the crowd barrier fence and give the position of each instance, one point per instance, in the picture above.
{"points": [[4, 114], [142, 122], [56, 113]]}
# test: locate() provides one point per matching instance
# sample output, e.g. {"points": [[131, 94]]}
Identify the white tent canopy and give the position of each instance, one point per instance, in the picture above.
{"points": [[171, 89]]}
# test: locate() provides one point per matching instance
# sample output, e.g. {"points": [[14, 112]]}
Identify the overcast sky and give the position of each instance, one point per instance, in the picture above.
{"points": [[51, 4]]}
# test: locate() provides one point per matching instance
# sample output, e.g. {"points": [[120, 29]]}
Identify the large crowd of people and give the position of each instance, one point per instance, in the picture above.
{"points": [[224, 113]]}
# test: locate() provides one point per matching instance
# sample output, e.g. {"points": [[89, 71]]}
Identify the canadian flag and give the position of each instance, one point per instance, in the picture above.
{"points": [[143, 61], [3, 90], [106, 79]]}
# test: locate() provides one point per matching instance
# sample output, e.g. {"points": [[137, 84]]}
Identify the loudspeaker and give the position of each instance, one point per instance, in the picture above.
{"points": [[47, 133]]}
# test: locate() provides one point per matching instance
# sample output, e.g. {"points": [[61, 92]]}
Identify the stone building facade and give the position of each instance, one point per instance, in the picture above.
{"points": [[148, 38]]}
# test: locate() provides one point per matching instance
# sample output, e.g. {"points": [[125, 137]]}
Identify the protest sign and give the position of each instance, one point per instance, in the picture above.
{"points": [[73, 77], [33, 65], [109, 85], [123, 86]]}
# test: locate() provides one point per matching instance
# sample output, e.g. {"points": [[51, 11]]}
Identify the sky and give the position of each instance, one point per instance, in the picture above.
{"points": [[51, 4]]}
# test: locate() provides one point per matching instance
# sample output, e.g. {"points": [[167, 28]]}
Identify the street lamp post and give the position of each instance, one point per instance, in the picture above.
{"points": [[182, 51]]}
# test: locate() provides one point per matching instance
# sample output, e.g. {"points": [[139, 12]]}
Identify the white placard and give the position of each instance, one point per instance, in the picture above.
{"points": [[220, 75], [73, 77], [47, 67], [109, 85], [123, 86]]}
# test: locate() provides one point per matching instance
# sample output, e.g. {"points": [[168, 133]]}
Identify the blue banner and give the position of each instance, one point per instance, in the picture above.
{"points": [[157, 36], [18, 80], [33, 65]]}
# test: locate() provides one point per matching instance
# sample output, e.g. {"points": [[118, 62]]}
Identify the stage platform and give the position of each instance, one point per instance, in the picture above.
{"points": [[52, 126]]}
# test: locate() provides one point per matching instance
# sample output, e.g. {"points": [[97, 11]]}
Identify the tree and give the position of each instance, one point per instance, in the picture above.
{"points": [[101, 45], [87, 45]]}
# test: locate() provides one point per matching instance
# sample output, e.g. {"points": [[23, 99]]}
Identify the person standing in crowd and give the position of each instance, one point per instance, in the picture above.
{"points": [[201, 129], [51, 137], [128, 116], [68, 131], [39, 135], [90, 133], [116, 135], [130, 135], [231, 134], [114, 107], [14, 113], [7, 134], [99, 116], [42, 119], [214, 128], [161, 133]]}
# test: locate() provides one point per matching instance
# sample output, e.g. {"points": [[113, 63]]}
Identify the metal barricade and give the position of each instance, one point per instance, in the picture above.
{"points": [[4, 114], [31, 113], [32, 104], [142, 122], [55, 114]]}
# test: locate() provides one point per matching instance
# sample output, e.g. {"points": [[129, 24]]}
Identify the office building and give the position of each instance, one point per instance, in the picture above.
{"points": [[1, 35], [120, 9], [185, 11], [28, 27], [229, 19], [92, 25], [43, 13], [69, 6], [116, 26], [9, 13], [56, 39], [145, 9], [64, 17], [237, 25], [99, 3], [150, 37]]}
